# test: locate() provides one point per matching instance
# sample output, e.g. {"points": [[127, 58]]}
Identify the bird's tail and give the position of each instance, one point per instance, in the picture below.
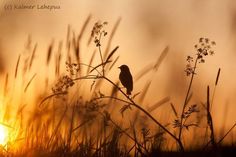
{"points": [[128, 92]]}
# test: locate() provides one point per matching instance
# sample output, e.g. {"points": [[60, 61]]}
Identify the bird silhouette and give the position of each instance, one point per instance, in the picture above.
{"points": [[126, 79]]}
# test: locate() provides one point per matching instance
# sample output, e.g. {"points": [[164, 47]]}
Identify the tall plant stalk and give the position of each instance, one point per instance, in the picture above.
{"points": [[187, 97], [203, 48]]}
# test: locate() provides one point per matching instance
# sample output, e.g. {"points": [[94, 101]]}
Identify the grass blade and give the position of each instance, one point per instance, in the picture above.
{"points": [[32, 56], [17, 65], [114, 62], [158, 104], [29, 82], [111, 37], [161, 58], [49, 53], [112, 53], [174, 110], [91, 61]]}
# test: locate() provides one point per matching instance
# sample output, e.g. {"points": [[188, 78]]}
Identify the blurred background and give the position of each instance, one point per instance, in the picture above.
{"points": [[146, 28]]}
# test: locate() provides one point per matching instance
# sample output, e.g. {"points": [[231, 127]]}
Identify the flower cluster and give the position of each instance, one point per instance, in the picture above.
{"points": [[189, 69], [97, 31], [203, 48], [176, 123], [72, 68], [63, 84], [92, 106], [89, 110], [192, 109]]}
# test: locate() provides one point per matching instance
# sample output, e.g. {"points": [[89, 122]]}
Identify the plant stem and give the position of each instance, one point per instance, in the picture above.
{"points": [[226, 134], [123, 131], [131, 103], [186, 98], [147, 114], [209, 118], [100, 52]]}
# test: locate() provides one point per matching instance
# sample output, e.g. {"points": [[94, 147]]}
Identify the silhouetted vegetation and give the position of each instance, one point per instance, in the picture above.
{"points": [[84, 111]]}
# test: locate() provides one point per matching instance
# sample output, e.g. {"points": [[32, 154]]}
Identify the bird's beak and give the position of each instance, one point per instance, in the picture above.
{"points": [[119, 67]]}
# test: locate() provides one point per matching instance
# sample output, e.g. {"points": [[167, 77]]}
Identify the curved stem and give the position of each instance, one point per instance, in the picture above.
{"points": [[115, 98], [50, 96], [131, 102], [91, 67], [88, 77], [147, 114]]}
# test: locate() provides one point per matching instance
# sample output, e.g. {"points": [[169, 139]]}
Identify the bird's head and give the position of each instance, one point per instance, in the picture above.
{"points": [[123, 67]]}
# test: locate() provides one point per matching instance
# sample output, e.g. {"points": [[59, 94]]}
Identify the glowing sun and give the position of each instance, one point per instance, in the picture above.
{"points": [[3, 135]]}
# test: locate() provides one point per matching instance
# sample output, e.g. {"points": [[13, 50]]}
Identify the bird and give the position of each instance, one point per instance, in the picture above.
{"points": [[126, 78]]}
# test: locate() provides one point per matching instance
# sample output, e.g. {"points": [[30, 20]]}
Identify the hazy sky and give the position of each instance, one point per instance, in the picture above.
{"points": [[147, 27]]}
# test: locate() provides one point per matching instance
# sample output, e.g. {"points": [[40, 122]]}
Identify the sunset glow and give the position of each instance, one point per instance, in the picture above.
{"points": [[117, 78], [3, 135]]}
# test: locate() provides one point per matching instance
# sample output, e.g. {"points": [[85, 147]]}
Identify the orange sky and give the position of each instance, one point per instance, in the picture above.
{"points": [[147, 27]]}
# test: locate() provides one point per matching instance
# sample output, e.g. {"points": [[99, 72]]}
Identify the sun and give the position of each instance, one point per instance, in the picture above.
{"points": [[3, 135]]}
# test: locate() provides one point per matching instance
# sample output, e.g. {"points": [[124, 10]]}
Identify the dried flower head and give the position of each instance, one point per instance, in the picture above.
{"points": [[189, 69], [97, 31], [72, 68], [176, 123], [92, 106], [203, 48], [185, 116], [191, 109], [63, 84]]}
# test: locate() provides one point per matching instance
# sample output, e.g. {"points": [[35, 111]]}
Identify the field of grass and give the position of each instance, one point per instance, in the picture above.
{"points": [[79, 109]]}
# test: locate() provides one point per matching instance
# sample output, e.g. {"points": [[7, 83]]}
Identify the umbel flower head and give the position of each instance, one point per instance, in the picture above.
{"points": [[97, 31], [203, 48]]}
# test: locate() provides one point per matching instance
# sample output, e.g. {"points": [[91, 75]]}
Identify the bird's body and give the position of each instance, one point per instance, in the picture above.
{"points": [[126, 79]]}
